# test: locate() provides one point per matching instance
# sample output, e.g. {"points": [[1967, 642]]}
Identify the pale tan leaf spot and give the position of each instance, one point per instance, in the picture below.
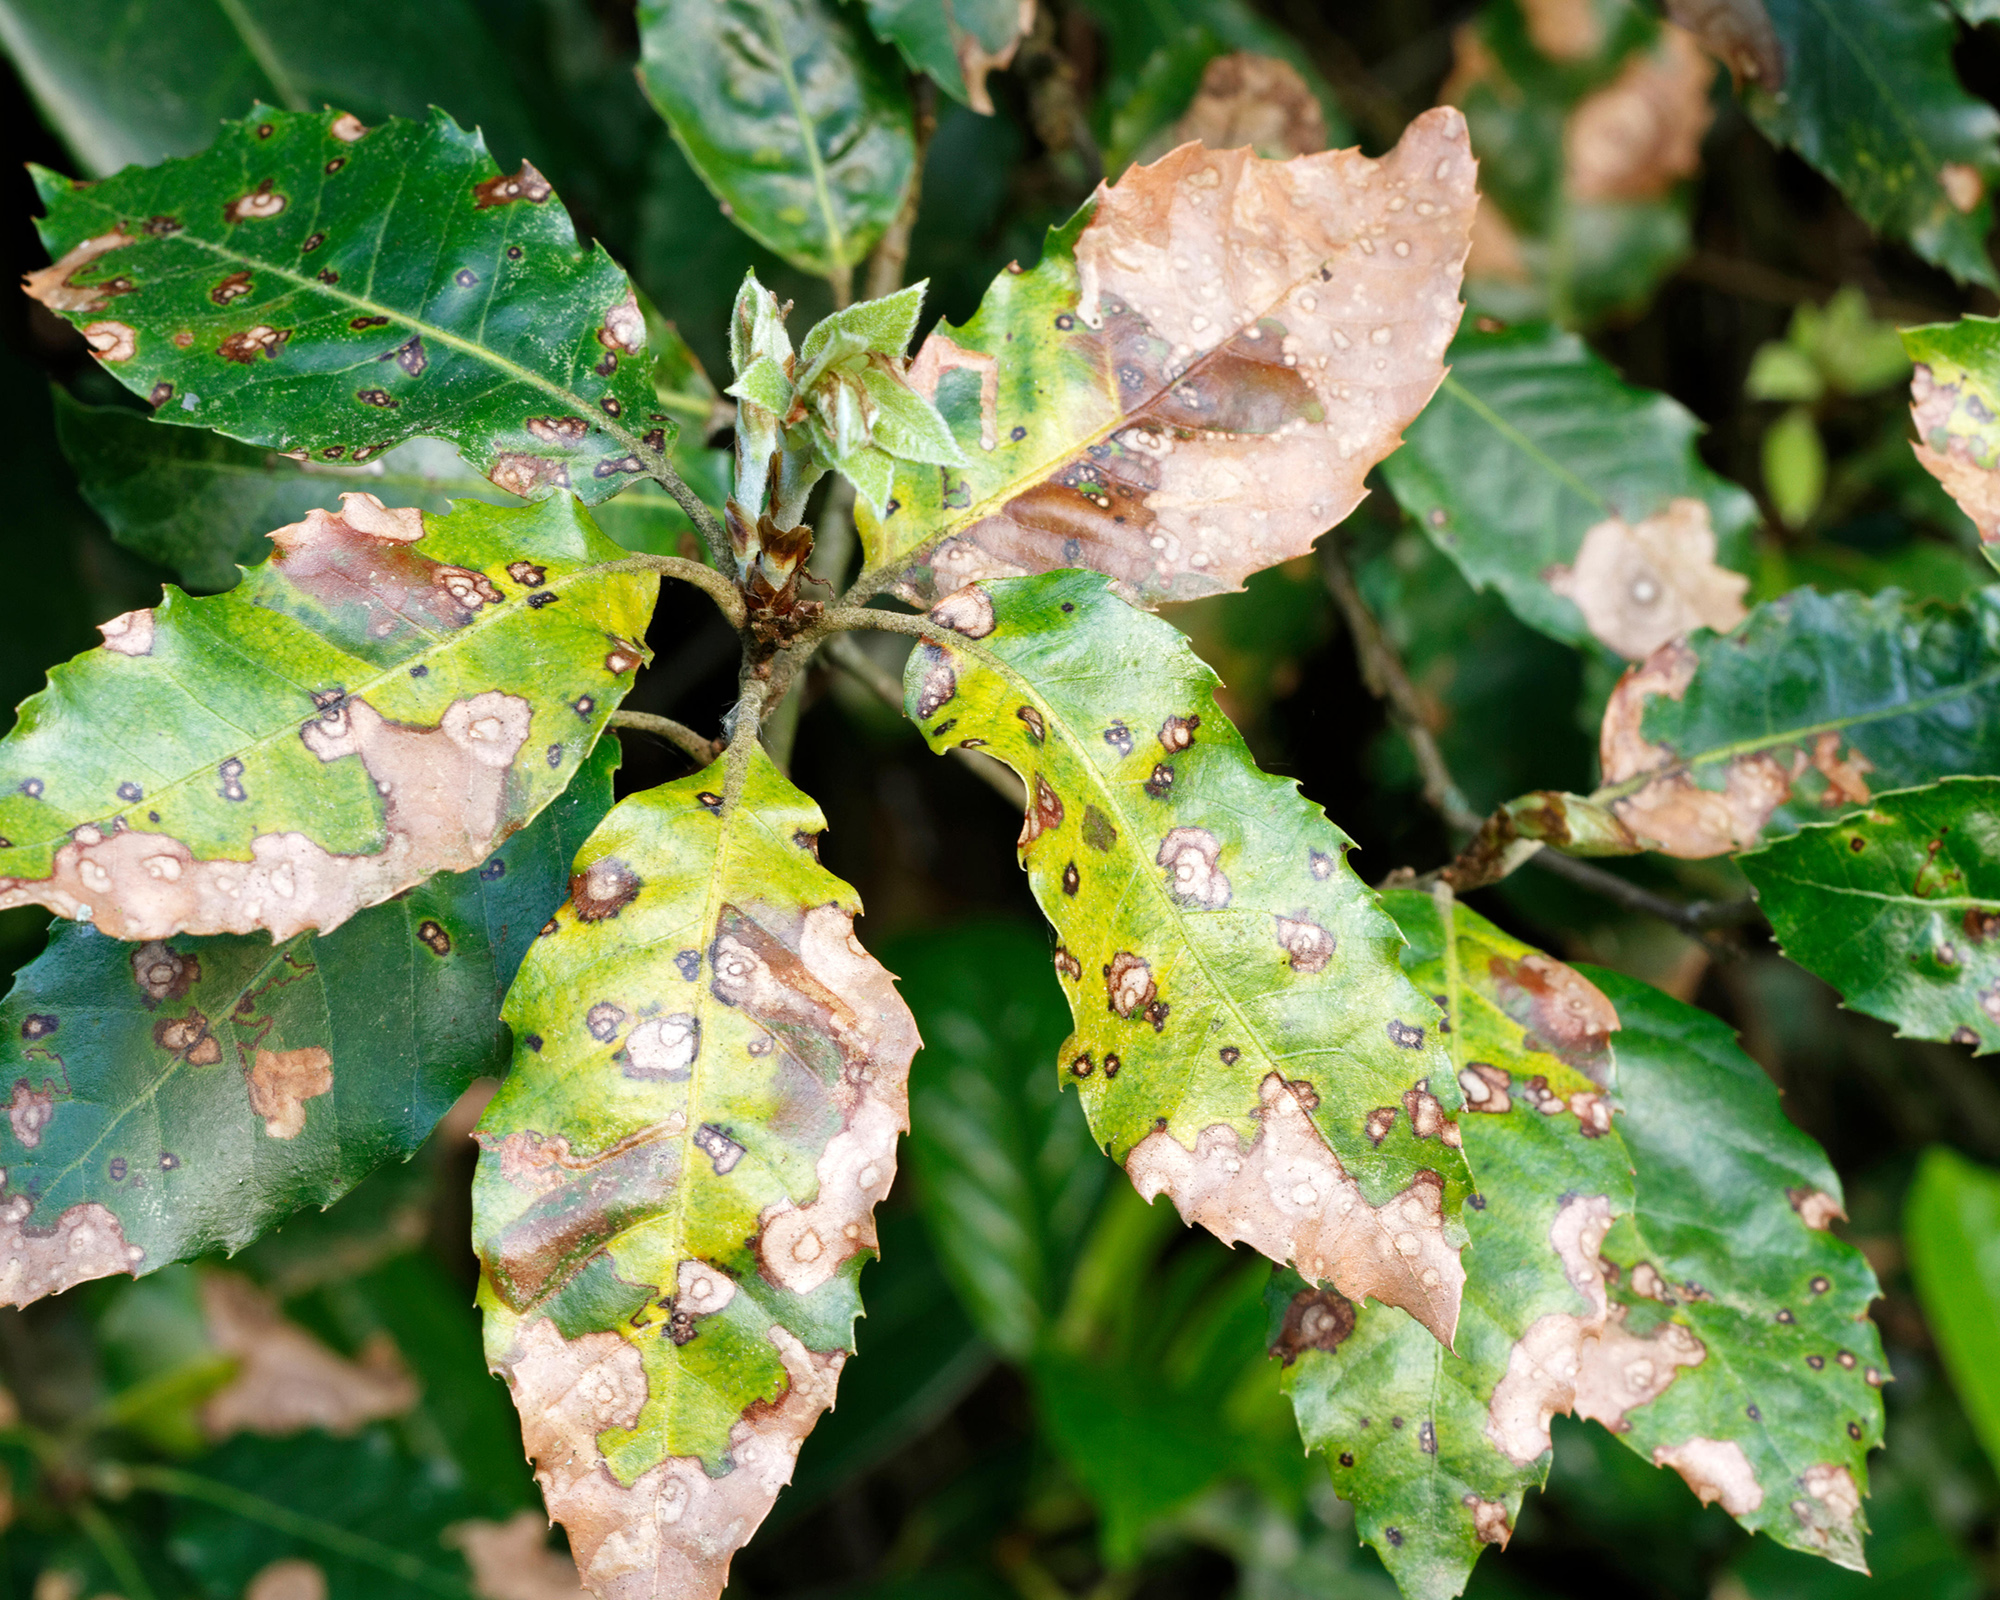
{"points": [[1620, 1371], [55, 286], [85, 1242], [286, 1380], [1564, 30], [1718, 1471], [1816, 1208], [129, 634], [280, 1083], [1639, 585], [1540, 1382], [31, 1110]]}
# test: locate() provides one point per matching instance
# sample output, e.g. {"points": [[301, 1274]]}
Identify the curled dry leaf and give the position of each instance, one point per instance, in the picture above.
{"points": [[1256, 101], [352, 718], [286, 1380], [1195, 381], [1241, 1021], [1641, 134], [1639, 585], [677, 1183]]}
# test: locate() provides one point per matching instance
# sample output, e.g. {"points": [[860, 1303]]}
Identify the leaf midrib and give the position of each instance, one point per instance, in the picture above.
{"points": [[774, 36]]}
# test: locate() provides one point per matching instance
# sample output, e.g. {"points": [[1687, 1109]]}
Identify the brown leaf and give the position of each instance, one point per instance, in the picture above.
{"points": [[289, 1579], [1641, 134], [1253, 100], [1738, 33], [287, 1380], [1564, 30], [512, 1560], [1640, 585]]}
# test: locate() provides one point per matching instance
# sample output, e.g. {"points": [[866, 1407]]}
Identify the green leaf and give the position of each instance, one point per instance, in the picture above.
{"points": [[957, 43], [322, 287], [1532, 445], [1434, 1447], [676, 1185], [1954, 392], [193, 774], [1795, 466], [791, 114], [1895, 906], [184, 1095], [1005, 1169], [1871, 100], [125, 82], [1951, 1226], [1242, 1029], [1179, 426], [1729, 1244], [1817, 700]]}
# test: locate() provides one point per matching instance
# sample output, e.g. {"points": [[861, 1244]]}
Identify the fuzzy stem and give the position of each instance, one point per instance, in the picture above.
{"points": [[691, 744], [719, 589]]}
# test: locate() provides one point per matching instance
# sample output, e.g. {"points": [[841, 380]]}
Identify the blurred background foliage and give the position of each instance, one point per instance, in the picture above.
{"points": [[1060, 1391]]}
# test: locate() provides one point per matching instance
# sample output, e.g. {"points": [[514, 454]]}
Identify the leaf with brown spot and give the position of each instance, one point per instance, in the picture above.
{"points": [[1194, 382], [1256, 101], [1955, 403], [958, 43], [1639, 585], [1218, 947], [677, 1183]]}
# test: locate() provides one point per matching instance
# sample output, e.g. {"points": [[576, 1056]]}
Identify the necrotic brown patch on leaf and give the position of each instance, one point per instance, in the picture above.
{"points": [[163, 973], [85, 1242], [1543, 1376], [31, 1110], [1128, 981], [1562, 1011], [1315, 1319], [1640, 584], [280, 1083], [58, 285], [1196, 882], [1718, 1471], [603, 889], [524, 183]]}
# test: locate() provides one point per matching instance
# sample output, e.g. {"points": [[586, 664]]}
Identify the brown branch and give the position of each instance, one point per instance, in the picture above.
{"points": [[1693, 917], [691, 744]]}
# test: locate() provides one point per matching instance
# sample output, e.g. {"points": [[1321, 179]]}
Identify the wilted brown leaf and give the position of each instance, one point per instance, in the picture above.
{"points": [[512, 1560], [1564, 30], [1259, 101], [290, 1579], [1641, 134], [1639, 585]]}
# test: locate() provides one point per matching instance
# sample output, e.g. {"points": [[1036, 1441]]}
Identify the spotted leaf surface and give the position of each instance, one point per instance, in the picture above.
{"points": [[1245, 1041], [1579, 498], [677, 1184], [1896, 906], [1954, 401], [390, 696], [1728, 1271], [1194, 382], [1435, 1446], [1804, 712], [957, 44], [182, 1095], [319, 286], [1870, 98], [791, 113]]}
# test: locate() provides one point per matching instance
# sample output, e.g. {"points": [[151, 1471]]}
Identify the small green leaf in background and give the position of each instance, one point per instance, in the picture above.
{"points": [[1547, 477], [1434, 1447], [791, 113], [1729, 1252], [1871, 99], [1006, 1173], [1239, 1010], [193, 774], [1951, 1227], [1897, 907], [1794, 466], [677, 1183], [957, 42], [315, 285], [184, 1095], [1955, 399]]}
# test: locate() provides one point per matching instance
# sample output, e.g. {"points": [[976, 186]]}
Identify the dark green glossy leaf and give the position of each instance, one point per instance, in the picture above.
{"points": [[1006, 1172], [1871, 99], [126, 82], [1896, 906], [1951, 1222], [1532, 447], [192, 774], [315, 285], [957, 42], [1240, 1019], [1728, 1254], [795, 118], [183, 1095], [677, 1184], [1177, 426], [1435, 1447]]}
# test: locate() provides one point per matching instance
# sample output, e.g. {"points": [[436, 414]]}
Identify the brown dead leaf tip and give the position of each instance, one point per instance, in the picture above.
{"points": [[1190, 856], [281, 1081], [524, 183], [938, 684], [969, 611], [1128, 981], [1640, 585], [1315, 1319], [31, 1110], [603, 889], [1816, 1208], [1718, 1471], [163, 973], [58, 285], [1308, 947]]}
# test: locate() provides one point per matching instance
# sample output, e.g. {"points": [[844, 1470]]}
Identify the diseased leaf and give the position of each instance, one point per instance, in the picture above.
{"points": [[183, 1095], [1005, 1170], [1896, 907], [1955, 401], [1434, 1447], [318, 286], [1196, 379], [795, 118], [1814, 703], [1259, 101], [1577, 497], [1870, 99], [1950, 1222], [677, 1184], [957, 42], [1739, 34], [193, 774], [1774, 1401], [1244, 1040]]}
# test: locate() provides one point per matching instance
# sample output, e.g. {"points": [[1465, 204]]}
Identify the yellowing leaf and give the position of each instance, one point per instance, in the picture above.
{"points": [[1195, 381]]}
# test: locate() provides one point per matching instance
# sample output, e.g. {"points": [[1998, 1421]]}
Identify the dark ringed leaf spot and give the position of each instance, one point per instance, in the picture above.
{"points": [[1403, 1034], [434, 936]]}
